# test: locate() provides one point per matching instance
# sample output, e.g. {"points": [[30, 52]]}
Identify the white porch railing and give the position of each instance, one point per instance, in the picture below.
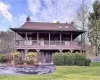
{"points": [[42, 43]]}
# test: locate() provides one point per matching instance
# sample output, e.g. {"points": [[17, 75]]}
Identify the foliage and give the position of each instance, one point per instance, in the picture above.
{"points": [[87, 62], [79, 59], [58, 59], [31, 58], [31, 54], [2, 58], [70, 59], [94, 25], [8, 57], [16, 54], [16, 58]]}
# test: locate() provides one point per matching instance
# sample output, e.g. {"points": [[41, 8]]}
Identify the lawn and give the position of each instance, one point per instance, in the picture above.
{"points": [[64, 73]]}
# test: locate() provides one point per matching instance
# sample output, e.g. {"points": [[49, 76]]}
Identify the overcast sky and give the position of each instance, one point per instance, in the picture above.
{"points": [[13, 13]]}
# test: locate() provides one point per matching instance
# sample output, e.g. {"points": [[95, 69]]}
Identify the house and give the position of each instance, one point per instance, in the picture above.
{"points": [[46, 38]]}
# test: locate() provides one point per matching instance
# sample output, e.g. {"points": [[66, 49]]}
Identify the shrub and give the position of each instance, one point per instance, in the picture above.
{"points": [[31, 58], [63, 59], [16, 58], [70, 59], [79, 59], [8, 57], [2, 58], [58, 58], [87, 62]]}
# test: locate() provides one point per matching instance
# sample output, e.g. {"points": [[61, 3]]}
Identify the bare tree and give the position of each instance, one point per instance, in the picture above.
{"points": [[6, 39], [82, 21]]}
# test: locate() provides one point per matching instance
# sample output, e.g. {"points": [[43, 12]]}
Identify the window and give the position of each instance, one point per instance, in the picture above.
{"points": [[66, 27], [60, 26]]}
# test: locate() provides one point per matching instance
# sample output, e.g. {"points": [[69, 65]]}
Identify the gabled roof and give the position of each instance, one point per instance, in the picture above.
{"points": [[48, 26]]}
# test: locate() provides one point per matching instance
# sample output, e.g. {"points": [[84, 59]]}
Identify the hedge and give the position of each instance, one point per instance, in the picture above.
{"points": [[87, 62], [58, 59], [70, 59], [79, 59]]}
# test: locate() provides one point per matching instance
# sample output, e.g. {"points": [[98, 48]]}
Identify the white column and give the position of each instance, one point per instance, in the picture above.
{"points": [[49, 39]]}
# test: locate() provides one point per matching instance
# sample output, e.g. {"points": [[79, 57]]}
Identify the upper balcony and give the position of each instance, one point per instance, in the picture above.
{"points": [[47, 45]]}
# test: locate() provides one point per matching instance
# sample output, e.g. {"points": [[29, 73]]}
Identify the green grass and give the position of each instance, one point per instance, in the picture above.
{"points": [[64, 73]]}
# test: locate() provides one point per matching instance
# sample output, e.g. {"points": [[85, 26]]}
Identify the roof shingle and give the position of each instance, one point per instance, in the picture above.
{"points": [[48, 26]]}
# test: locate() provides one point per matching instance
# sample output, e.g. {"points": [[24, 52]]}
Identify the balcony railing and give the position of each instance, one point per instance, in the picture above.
{"points": [[43, 43]]}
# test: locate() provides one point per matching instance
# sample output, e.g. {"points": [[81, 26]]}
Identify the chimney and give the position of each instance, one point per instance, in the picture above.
{"points": [[28, 19]]}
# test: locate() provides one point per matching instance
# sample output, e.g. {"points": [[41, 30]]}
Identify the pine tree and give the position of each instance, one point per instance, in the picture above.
{"points": [[94, 25]]}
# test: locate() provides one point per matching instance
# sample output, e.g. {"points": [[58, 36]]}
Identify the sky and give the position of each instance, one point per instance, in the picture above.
{"points": [[13, 13]]}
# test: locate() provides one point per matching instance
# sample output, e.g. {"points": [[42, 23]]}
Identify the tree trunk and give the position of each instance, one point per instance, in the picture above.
{"points": [[96, 48]]}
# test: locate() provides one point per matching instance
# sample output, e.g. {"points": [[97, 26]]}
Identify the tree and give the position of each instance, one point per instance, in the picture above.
{"points": [[6, 41], [94, 25], [82, 18], [82, 21]]}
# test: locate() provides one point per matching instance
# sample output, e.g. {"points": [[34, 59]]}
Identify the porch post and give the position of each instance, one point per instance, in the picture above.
{"points": [[26, 51], [49, 39], [60, 38], [37, 38], [71, 51], [26, 38], [71, 41], [60, 50], [71, 37]]}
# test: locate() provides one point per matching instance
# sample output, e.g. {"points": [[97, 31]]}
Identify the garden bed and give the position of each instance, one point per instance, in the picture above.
{"points": [[27, 69]]}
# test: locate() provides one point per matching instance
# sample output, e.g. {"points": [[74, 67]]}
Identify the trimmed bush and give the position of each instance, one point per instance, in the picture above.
{"points": [[70, 59], [87, 62], [58, 59], [63, 59], [79, 59]]}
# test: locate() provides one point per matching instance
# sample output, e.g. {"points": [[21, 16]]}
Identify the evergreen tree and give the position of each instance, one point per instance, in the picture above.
{"points": [[94, 25]]}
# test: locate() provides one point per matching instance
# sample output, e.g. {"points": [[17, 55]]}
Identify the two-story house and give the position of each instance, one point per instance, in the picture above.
{"points": [[46, 39]]}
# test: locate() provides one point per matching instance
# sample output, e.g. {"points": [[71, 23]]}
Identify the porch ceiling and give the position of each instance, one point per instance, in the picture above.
{"points": [[21, 31]]}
